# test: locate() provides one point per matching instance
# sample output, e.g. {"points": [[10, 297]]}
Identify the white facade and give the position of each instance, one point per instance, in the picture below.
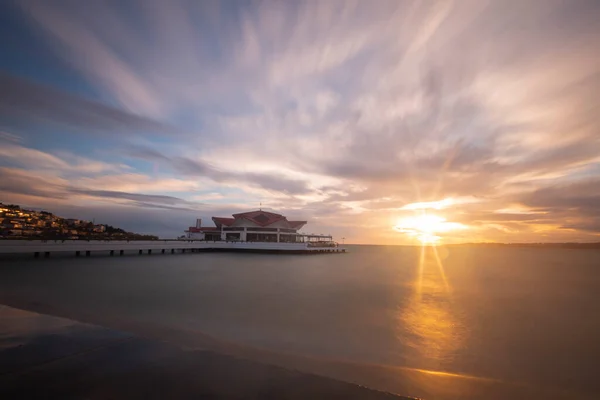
{"points": [[195, 235]]}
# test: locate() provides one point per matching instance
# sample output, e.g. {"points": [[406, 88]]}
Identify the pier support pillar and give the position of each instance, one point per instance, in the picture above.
{"points": [[172, 251], [88, 253], [149, 251], [36, 254], [77, 253], [183, 250], [47, 254], [163, 251], [140, 252], [121, 252], [112, 252]]}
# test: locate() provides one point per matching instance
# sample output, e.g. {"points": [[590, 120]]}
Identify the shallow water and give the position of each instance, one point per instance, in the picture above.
{"points": [[521, 316]]}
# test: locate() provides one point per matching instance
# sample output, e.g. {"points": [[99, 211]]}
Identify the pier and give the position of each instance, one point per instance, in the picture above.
{"points": [[83, 248]]}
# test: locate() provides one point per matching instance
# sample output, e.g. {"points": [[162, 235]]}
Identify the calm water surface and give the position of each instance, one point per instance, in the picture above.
{"points": [[523, 316]]}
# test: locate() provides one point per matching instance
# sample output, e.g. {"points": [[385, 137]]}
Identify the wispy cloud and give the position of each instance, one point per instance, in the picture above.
{"points": [[440, 204], [42, 104], [9, 137], [273, 181], [343, 111]]}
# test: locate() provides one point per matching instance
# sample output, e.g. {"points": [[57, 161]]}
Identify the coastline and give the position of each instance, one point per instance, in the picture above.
{"points": [[384, 378], [38, 351]]}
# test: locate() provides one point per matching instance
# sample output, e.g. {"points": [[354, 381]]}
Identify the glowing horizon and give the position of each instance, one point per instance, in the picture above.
{"points": [[426, 227]]}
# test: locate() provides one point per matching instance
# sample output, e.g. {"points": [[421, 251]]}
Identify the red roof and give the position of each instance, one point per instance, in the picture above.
{"points": [[223, 221], [261, 218]]}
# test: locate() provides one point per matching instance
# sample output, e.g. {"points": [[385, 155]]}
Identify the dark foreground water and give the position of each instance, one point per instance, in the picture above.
{"points": [[471, 321]]}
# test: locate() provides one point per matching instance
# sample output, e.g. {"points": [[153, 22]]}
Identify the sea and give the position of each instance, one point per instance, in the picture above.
{"points": [[444, 322]]}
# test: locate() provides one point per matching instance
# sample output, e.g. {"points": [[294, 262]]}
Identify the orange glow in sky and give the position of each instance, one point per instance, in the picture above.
{"points": [[355, 116], [426, 227]]}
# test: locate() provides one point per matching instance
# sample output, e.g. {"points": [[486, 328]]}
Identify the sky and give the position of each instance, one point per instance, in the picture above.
{"points": [[384, 122]]}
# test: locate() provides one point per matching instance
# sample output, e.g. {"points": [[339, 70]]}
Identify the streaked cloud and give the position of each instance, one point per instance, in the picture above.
{"points": [[480, 112], [43, 104], [440, 204], [9, 137]]}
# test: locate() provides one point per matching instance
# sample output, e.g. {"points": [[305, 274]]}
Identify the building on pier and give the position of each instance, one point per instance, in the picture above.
{"points": [[253, 226]]}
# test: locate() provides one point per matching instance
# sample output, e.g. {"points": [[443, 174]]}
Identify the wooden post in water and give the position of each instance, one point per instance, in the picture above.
{"points": [[47, 254], [77, 253], [149, 251], [140, 252], [36, 254], [121, 252], [88, 253], [112, 252]]}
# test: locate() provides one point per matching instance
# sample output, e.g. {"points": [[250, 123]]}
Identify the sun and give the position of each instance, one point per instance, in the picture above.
{"points": [[426, 227]]}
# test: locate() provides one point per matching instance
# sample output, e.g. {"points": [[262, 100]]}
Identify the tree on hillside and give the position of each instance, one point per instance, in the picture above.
{"points": [[112, 229]]}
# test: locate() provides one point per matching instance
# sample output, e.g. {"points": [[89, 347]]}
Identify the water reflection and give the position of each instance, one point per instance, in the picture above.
{"points": [[428, 322]]}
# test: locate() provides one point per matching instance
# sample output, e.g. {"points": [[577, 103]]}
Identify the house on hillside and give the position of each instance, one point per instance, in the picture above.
{"points": [[99, 228]]}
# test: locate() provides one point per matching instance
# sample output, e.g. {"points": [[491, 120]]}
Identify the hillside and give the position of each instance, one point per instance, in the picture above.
{"points": [[18, 223]]}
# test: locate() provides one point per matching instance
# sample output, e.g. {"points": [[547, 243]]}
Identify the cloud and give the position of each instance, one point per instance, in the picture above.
{"points": [[573, 205], [149, 200], [349, 111], [9, 137], [26, 156], [48, 184], [93, 55], [61, 162], [438, 205], [189, 167], [277, 183], [17, 181], [33, 102]]}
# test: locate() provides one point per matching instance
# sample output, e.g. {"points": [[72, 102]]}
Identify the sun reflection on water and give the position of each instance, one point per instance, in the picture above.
{"points": [[428, 323]]}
